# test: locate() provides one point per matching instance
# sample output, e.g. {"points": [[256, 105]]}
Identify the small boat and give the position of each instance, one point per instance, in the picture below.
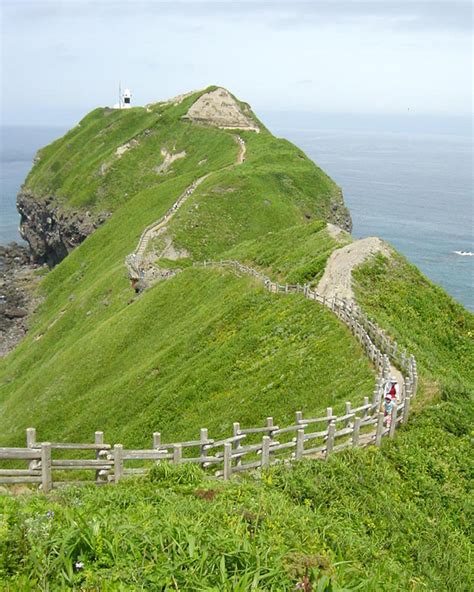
{"points": [[464, 253]]}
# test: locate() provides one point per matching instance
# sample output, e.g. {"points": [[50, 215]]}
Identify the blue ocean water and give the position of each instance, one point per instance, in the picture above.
{"points": [[414, 190], [18, 146]]}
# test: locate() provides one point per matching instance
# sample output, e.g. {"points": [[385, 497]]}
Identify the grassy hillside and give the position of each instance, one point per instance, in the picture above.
{"points": [[395, 519], [93, 360], [207, 348]]}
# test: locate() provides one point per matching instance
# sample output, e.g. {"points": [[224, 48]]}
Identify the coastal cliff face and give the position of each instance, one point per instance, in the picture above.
{"points": [[51, 230]]}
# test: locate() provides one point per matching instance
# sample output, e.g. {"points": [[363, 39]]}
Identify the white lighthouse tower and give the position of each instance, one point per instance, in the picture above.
{"points": [[125, 99]]}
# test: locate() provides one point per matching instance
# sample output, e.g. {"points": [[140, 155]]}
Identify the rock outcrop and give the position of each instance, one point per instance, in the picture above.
{"points": [[53, 231], [17, 300]]}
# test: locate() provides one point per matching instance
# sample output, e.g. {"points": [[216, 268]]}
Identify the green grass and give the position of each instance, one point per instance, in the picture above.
{"points": [[398, 518], [205, 349], [179, 358], [421, 316]]}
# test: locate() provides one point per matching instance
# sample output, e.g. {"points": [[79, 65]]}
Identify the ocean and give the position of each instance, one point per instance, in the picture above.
{"points": [[414, 190]]}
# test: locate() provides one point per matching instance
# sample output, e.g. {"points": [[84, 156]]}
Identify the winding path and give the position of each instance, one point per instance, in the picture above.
{"points": [[134, 261]]}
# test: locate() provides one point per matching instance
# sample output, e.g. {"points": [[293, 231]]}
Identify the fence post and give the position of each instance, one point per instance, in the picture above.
{"points": [[299, 444], [348, 411], [237, 445], [299, 417], [329, 415], [265, 463], [270, 425], [379, 432], [406, 409], [177, 453], [30, 437], [356, 432], [393, 421], [98, 439], [227, 461], [156, 439], [203, 437], [31, 443], [330, 440], [46, 474], [118, 462]]}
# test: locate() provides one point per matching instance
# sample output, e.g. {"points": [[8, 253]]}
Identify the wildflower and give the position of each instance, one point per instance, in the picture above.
{"points": [[79, 565], [50, 514]]}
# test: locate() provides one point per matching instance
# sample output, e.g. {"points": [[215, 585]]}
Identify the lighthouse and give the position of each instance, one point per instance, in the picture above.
{"points": [[126, 99]]}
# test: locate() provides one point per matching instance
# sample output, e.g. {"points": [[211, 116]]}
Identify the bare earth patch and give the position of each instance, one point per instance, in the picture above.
{"points": [[337, 278], [219, 108], [169, 158]]}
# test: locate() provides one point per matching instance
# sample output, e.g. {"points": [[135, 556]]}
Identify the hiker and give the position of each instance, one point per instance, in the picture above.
{"points": [[387, 409], [392, 388]]}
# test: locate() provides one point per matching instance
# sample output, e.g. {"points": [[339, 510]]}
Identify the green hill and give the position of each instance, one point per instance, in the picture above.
{"points": [[205, 348]]}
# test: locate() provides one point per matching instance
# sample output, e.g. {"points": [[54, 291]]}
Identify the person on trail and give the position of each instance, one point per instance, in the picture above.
{"points": [[392, 388], [387, 409]]}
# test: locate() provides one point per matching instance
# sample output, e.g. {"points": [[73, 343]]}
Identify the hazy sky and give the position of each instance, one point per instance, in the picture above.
{"points": [[62, 58]]}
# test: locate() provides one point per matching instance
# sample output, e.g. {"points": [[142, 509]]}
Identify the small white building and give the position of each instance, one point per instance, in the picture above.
{"points": [[125, 100]]}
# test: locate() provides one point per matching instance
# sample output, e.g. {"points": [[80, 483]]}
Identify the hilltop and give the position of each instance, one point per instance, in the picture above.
{"points": [[134, 335]]}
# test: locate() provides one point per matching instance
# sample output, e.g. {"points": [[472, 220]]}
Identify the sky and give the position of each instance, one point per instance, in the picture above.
{"points": [[61, 58]]}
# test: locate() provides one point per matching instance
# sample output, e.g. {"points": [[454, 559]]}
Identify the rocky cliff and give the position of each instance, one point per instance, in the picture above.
{"points": [[53, 231]]}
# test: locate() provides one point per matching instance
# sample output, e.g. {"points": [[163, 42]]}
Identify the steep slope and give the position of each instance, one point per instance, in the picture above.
{"points": [[92, 357]]}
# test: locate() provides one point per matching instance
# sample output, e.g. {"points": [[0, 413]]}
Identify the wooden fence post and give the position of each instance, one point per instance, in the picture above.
{"points": [[98, 439], [265, 463], [177, 453], [203, 437], [31, 443], [330, 440], [30, 437], [118, 462], [237, 445], [299, 417], [393, 421], [156, 439], [406, 409], [356, 432], [46, 474], [270, 425], [299, 444], [227, 473], [379, 432], [329, 415]]}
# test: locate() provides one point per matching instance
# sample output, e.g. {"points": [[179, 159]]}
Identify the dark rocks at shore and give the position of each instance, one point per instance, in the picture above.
{"points": [[17, 300], [53, 231]]}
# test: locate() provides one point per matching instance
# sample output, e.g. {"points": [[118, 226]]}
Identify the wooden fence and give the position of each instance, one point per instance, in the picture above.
{"points": [[49, 463]]}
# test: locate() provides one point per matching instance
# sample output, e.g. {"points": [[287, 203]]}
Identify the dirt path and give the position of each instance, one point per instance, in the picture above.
{"points": [[337, 277], [134, 261]]}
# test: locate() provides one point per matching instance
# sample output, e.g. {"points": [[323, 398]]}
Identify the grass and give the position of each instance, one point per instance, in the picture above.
{"points": [[179, 358], [421, 316], [398, 518], [205, 349]]}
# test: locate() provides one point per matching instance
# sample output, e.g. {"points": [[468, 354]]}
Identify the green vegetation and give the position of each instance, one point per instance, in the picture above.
{"points": [[179, 358], [399, 518], [207, 348], [421, 317]]}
